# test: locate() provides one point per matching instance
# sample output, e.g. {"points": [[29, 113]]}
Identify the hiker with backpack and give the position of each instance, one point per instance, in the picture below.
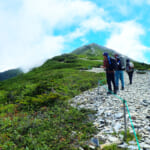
{"points": [[109, 66], [129, 70], [119, 74]]}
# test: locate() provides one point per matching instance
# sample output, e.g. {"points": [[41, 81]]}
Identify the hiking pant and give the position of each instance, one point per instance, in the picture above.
{"points": [[130, 74], [110, 78], [119, 75]]}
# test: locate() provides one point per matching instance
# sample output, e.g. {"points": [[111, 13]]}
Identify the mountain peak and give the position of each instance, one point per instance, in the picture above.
{"points": [[93, 48]]}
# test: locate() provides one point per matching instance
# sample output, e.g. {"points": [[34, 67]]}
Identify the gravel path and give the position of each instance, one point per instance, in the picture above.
{"points": [[109, 118]]}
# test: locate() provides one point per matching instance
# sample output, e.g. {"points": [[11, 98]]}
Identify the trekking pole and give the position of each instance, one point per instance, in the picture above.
{"points": [[125, 124]]}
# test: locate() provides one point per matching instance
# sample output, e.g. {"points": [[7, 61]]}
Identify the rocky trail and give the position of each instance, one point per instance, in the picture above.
{"points": [[109, 118]]}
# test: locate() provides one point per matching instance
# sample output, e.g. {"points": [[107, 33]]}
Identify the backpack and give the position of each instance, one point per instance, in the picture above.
{"points": [[130, 67], [113, 65], [123, 62]]}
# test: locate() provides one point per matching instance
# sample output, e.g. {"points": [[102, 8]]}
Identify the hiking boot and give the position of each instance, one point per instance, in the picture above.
{"points": [[109, 92], [117, 88], [122, 88], [115, 91]]}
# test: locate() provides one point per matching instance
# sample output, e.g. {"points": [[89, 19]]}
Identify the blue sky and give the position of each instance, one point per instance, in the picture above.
{"points": [[33, 31]]}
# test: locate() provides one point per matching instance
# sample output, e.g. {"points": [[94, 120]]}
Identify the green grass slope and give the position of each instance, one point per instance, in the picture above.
{"points": [[34, 109]]}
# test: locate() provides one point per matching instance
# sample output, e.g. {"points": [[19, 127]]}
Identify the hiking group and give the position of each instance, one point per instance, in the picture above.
{"points": [[114, 68]]}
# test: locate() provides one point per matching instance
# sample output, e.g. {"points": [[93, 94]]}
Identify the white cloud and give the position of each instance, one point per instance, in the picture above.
{"points": [[137, 2], [148, 2], [125, 38], [27, 35], [79, 32], [95, 24], [59, 13], [123, 8], [84, 41], [140, 2], [24, 43]]}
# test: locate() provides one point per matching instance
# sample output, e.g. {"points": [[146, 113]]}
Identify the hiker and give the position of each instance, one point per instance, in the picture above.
{"points": [[119, 73], [109, 73], [129, 70]]}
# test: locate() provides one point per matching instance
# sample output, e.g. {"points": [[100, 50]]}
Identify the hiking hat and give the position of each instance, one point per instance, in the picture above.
{"points": [[105, 54], [116, 55]]}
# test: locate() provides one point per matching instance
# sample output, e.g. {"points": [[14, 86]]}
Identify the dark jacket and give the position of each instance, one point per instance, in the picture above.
{"points": [[119, 65], [107, 66]]}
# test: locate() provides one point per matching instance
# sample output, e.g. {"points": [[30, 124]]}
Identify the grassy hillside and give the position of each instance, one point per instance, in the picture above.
{"points": [[141, 66], [34, 109]]}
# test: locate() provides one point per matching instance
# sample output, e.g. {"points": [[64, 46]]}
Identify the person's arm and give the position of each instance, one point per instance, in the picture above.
{"points": [[104, 64]]}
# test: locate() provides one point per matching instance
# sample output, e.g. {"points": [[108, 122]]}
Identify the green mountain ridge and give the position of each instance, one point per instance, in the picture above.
{"points": [[94, 49]]}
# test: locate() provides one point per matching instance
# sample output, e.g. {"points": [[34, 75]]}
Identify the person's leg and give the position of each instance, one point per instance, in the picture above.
{"points": [[113, 81], [122, 79], [108, 76], [130, 77], [117, 79]]}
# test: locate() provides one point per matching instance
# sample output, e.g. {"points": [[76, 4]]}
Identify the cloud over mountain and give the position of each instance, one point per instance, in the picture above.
{"points": [[35, 30]]}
